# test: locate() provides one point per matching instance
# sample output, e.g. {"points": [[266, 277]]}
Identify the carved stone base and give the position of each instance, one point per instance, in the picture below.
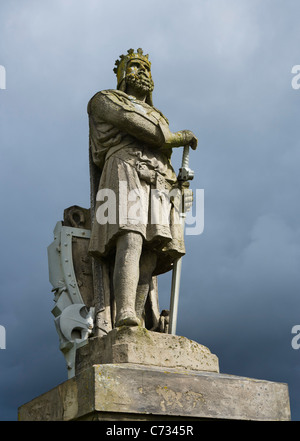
{"points": [[138, 346], [128, 392]]}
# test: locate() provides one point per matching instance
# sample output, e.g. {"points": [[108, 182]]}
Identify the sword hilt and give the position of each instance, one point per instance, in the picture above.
{"points": [[185, 156], [185, 173]]}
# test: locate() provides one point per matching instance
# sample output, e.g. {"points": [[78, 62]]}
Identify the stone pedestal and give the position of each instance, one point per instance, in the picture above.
{"points": [[136, 375], [138, 346], [128, 392]]}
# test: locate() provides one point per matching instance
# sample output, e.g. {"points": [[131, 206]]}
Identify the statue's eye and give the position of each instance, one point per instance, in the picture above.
{"points": [[134, 65]]}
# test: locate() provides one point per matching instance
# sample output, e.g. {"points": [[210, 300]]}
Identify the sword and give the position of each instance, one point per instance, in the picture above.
{"points": [[185, 174]]}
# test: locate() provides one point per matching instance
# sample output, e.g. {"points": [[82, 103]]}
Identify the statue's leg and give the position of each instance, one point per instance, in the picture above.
{"points": [[126, 277], [147, 267]]}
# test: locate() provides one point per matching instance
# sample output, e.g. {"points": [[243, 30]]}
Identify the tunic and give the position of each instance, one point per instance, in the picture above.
{"points": [[138, 188]]}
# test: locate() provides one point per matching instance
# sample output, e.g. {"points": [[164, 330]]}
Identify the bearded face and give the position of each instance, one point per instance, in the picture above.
{"points": [[138, 76]]}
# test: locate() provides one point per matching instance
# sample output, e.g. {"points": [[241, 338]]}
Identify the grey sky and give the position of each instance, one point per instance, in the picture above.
{"points": [[221, 69]]}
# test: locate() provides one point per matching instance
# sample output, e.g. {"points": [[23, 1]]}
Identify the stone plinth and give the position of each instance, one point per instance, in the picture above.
{"points": [[138, 346], [129, 392], [133, 374]]}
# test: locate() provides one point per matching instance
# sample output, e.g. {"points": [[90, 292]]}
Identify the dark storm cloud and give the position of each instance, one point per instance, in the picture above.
{"points": [[221, 69]]}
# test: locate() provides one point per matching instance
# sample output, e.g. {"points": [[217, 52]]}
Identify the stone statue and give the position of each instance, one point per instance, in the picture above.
{"points": [[104, 261], [130, 150]]}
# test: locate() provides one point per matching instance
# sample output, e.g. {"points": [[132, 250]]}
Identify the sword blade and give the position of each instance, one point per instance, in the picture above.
{"points": [[175, 296], [175, 286]]}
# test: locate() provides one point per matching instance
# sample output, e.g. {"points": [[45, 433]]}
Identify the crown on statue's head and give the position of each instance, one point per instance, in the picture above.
{"points": [[121, 64]]}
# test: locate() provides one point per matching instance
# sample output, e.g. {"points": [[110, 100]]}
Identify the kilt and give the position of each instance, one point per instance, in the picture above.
{"points": [[135, 196]]}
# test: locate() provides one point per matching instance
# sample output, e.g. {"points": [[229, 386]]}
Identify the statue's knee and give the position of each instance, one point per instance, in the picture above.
{"points": [[130, 242]]}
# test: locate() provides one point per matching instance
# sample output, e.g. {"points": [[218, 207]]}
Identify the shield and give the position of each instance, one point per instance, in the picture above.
{"points": [[70, 273]]}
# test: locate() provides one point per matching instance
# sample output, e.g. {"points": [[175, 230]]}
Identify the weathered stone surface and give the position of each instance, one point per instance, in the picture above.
{"points": [[139, 346], [135, 392]]}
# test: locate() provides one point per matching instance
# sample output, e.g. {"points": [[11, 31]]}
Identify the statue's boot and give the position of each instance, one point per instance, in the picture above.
{"points": [[126, 277], [125, 294]]}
